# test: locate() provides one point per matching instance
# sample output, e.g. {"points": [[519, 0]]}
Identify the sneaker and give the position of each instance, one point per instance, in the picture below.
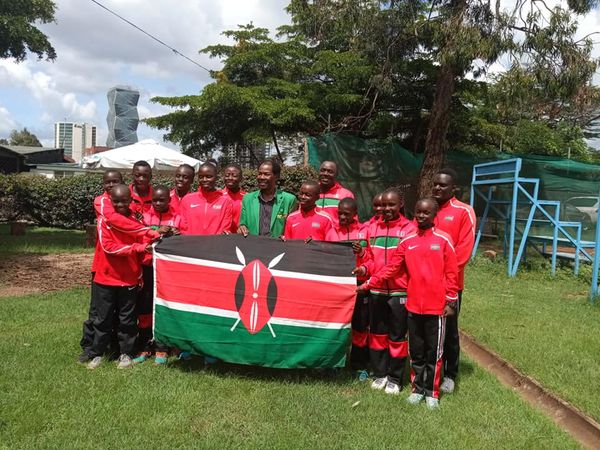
{"points": [[414, 398], [392, 388], [209, 360], [432, 403], [84, 358], [379, 383], [361, 375], [95, 362], [447, 386], [124, 362], [161, 358], [140, 358]]}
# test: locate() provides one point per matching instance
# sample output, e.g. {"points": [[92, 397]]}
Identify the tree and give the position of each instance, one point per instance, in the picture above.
{"points": [[18, 32], [24, 137], [4, 141]]}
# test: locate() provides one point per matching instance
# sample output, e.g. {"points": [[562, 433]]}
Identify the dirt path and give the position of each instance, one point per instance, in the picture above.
{"points": [[29, 274], [583, 428]]}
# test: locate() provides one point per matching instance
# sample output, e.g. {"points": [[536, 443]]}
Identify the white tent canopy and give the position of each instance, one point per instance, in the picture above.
{"points": [[158, 156]]}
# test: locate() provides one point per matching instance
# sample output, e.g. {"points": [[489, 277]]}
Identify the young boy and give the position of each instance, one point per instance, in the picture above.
{"points": [[388, 348], [140, 189], [184, 177], [232, 178], [352, 231], [118, 272], [104, 209], [207, 211], [429, 259], [307, 222], [165, 221]]}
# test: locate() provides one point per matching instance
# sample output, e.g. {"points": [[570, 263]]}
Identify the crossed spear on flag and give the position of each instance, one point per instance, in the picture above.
{"points": [[255, 267]]}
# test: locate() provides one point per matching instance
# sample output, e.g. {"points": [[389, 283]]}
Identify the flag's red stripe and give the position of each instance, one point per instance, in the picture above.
{"points": [[211, 287]]}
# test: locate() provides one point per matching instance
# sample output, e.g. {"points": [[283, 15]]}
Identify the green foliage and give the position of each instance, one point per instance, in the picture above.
{"points": [[24, 137], [68, 202], [18, 34]]}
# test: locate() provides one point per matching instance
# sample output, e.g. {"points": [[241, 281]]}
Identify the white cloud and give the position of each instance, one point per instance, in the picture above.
{"points": [[7, 123]]}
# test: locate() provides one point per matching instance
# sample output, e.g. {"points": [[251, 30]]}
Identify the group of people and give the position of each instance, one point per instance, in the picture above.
{"points": [[410, 272]]}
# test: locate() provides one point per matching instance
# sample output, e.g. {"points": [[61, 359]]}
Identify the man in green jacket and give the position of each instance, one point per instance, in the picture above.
{"points": [[264, 211]]}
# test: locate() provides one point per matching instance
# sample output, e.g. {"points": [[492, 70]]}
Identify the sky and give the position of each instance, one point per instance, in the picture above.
{"points": [[97, 51]]}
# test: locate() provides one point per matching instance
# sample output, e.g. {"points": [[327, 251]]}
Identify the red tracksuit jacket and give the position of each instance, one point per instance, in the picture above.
{"points": [[356, 231], [119, 260], [140, 204], [205, 214], [175, 200], [384, 237], [458, 220], [328, 201], [236, 199], [430, 261], [156, 220], [300, 225], [103, 207]]}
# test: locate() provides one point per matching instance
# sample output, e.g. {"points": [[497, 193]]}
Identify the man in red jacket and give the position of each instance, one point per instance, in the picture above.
{"points": [[118, 273], [141, 190], [430, 262], [207, 211], [184, 177], [388, 347], [307, 222], [232, 178], [458, 220], [331, 191], [350, 230]]}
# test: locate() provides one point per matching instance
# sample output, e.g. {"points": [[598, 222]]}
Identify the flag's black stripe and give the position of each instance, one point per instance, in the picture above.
{"points": [[319, 258]]}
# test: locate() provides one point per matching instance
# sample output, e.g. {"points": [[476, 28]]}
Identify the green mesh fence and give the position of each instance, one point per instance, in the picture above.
{"points": [[369, 166]]}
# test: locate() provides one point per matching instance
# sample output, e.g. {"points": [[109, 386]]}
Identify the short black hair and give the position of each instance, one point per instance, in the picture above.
{"points": [[275, 167], [433, 201], [115, 171], [312, 183], [450, 172], [209, 165], [161, 187], [120, 187], [348, 201], [233, 166], [141, 163], [187, 166], [395, 190]]}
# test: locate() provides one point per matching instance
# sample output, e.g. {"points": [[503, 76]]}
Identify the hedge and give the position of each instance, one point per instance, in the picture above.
{"points": [[68, 202]]}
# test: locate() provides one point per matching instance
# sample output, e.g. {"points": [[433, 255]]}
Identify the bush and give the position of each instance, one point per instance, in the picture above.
{"points": [[68, 202]]}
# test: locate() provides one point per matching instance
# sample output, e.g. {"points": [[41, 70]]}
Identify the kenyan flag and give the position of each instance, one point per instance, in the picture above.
{"points": [[255, 300]]}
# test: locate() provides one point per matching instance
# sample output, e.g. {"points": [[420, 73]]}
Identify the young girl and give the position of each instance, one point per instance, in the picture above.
{"points": [[429, 259]]}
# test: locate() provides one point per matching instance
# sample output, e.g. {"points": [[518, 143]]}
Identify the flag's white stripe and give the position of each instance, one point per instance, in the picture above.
{"points": [[238, 268], [234, 315]]}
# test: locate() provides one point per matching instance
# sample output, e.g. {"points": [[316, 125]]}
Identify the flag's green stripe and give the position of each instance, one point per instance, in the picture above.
{"points": [[323, 202], [293, 347], [383, 241]]}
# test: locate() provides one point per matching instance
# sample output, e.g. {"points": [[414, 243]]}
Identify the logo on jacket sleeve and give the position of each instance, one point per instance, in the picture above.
{"points": [[255, 293], [435, 247], [449, 218], [217, 206]]}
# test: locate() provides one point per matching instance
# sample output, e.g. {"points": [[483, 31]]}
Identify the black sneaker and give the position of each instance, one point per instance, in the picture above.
{"points": [[84, 358]]}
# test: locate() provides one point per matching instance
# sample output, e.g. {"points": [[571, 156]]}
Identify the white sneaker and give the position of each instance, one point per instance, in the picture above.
{"points": [[379, 383], [414, 398], [432, 403], [95, 362], [447, 386], [392, 388], [124, 362]]}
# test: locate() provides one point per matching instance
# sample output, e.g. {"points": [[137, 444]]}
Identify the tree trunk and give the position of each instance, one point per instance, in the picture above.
{"points": [[436, 145], [276, 146]]}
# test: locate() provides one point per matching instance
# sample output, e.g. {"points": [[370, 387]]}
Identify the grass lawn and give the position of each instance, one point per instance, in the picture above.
{"points": [[48, 401], [544, 326], [42, 240]]}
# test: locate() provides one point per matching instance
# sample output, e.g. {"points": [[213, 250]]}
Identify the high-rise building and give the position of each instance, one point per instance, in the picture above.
{"points": [[246, 155], [122, 118], [74, 138]]}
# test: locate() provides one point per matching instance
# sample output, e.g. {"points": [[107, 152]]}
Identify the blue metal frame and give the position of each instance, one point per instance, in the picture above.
{"points": [[507, 172], [596, 263]]}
